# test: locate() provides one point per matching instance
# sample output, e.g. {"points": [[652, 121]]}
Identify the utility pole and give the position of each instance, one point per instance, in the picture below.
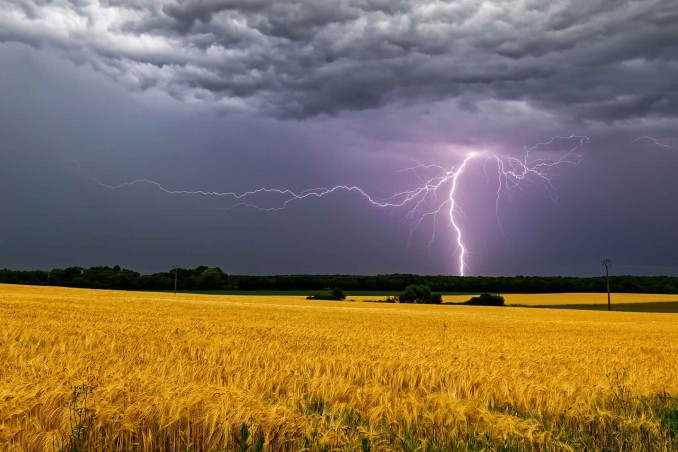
{"points": [[176, 277], [607, 263]]}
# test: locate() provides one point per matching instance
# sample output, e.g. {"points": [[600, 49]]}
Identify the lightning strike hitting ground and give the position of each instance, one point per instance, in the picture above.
{"points": [[421, 202], [452, 200]]}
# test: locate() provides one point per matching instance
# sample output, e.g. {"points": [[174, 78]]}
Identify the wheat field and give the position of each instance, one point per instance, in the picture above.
{"points": [[108, 370]]}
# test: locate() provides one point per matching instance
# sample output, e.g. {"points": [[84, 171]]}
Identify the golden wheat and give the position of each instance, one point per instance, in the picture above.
{"points": [[178, 372]]}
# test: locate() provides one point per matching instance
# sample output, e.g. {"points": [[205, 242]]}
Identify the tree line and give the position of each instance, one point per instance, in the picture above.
{"points": [[205, 278]]}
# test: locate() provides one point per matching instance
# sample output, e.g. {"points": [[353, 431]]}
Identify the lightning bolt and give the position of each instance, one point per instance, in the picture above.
{"points": [[656, 142], [421, 202], [513, 173], [452, 202]]}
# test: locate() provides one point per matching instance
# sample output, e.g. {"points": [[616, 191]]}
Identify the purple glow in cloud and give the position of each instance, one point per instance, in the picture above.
{"points": [[231, 96]]}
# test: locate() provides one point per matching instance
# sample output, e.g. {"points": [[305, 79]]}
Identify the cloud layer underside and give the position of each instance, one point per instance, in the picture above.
{"points": [[598, 60]]}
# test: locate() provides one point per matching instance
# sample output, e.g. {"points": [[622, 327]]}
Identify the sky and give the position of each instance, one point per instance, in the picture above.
{"points": [[576, 101]]}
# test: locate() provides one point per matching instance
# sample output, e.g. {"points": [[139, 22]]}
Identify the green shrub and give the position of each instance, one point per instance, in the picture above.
{"points": [[487, 299], [419, 294], [335, 294]]}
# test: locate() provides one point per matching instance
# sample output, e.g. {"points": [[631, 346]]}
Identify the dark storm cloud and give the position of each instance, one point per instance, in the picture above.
{"points": [[591, 60], [54, 113], [134, 89]]}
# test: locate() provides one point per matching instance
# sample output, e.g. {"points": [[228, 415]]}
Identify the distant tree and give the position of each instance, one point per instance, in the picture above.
{"points": [[212, 278], [335, 294], [338, 294], [194, 279], [157, 281], [486, 299], [436, 298], [419, 294], [409, 295]]}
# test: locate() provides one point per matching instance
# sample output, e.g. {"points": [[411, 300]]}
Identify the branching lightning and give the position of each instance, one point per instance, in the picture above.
{"points": [[420, 203], [513, 172]]}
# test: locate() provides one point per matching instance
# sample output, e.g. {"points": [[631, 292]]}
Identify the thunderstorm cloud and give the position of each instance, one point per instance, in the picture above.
{"points": [[235, 95], [596, 60]]}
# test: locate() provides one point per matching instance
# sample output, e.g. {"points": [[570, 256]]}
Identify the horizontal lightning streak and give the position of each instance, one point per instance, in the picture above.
{"points": [[656, 142], [421, 202]]}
